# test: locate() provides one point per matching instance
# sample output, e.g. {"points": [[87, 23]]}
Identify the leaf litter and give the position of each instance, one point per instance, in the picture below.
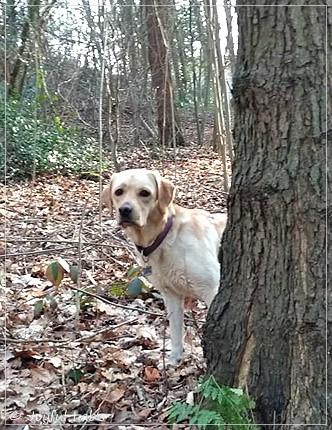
{"points": [[84, 354]]}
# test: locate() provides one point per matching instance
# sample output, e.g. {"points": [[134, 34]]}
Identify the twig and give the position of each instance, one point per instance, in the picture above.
{"points": [[165, 381], [78, 304], [119, 263], [63, 379], [73, 242], [29, 253], [105, 330], [19, 240], [103, 299], [9, 340], [149, 129], [64, 341]]}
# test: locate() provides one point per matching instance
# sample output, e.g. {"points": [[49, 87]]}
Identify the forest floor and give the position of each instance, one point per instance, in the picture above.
{"points": [[81, 360]]}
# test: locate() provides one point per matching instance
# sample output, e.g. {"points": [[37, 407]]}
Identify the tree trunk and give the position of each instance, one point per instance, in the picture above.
{"points": [[230, 41], [195, 93], [13, 88], [219, 137], [168, 123], [267, 327]]}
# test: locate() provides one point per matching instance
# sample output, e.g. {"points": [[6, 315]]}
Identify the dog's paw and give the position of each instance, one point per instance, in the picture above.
{"points": [[175, 358]]}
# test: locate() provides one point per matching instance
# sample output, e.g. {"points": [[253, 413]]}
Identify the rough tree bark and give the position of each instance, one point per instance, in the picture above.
{"points": [[168, 122], [268, 326]]}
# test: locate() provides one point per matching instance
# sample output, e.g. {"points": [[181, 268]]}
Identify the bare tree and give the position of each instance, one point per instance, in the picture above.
{"points": [[25, 27], [220, 135], [230, 41], [159, 59]]}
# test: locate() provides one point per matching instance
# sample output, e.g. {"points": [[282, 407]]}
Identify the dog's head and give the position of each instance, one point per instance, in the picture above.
{"points": [[137, 196]]}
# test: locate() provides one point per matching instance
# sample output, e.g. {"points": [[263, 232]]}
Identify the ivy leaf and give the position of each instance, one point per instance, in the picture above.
{"points": [[53, 302], [38, 308], [133, 271], [73, 273], [135, 287], [75, 375], [54, 273]]}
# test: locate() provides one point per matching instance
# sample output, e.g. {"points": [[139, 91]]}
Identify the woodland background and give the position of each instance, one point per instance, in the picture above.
{"points": [[90, 89], [81, 97], [86, 80]]}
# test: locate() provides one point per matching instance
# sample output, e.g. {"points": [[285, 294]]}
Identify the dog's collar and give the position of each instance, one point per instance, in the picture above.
{"points": [[159, 239]]}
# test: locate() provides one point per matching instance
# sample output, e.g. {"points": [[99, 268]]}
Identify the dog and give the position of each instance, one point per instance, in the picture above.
{"points": [[178, 247]]}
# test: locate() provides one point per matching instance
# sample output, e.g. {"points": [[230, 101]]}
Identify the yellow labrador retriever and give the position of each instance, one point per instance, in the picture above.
{"points": [[177, 246]]}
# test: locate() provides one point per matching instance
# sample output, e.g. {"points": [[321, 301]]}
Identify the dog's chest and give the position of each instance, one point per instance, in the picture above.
{"points": [[168, 271]]}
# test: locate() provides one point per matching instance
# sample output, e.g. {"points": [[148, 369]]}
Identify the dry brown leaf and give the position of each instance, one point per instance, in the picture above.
{"points": [[115, 395], [144, 413], [151, 374], [26, 354], [40, 374]]}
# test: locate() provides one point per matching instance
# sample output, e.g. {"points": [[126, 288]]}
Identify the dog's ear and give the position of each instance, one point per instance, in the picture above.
{"points": [[165, 192], [107, 197]]}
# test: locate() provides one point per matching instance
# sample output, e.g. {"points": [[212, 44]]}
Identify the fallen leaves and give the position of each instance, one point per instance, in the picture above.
{"points": [[68, 356]]}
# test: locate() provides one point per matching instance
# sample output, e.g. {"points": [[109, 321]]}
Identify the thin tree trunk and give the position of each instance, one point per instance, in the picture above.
{"points": [[144, 48], [13, 77], [194, 77], [227, 141], [219, 143], [208, 59], [230, 41], [179, 56], [168, 123]]}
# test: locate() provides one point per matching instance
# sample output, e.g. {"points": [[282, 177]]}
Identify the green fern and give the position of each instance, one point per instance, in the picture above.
{"points": [[195, 415], [224, 407]]}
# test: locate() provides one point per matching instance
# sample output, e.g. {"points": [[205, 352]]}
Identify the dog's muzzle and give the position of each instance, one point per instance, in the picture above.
{"points": [[126, 213]]}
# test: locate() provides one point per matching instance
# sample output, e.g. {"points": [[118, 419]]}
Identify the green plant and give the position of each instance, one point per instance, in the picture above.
{"points": [[223, 407], [29, 143]]}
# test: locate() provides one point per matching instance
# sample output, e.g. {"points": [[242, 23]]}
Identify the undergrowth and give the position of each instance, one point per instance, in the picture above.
{"points": [[219, 406], [31, 144]]}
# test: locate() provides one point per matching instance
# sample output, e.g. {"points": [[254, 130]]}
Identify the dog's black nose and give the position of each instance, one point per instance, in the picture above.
{"points": [[125, 210]]}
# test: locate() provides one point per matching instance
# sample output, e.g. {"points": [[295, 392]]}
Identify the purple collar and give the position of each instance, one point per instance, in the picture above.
{"points": [[159, 239]]}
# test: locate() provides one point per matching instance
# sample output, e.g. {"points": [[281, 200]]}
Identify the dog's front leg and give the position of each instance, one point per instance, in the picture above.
{"points": [[174, 307]]}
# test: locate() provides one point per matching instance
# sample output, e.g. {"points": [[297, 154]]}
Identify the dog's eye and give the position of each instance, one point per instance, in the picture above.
{"points": [[144, 193], [119, 192]]}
